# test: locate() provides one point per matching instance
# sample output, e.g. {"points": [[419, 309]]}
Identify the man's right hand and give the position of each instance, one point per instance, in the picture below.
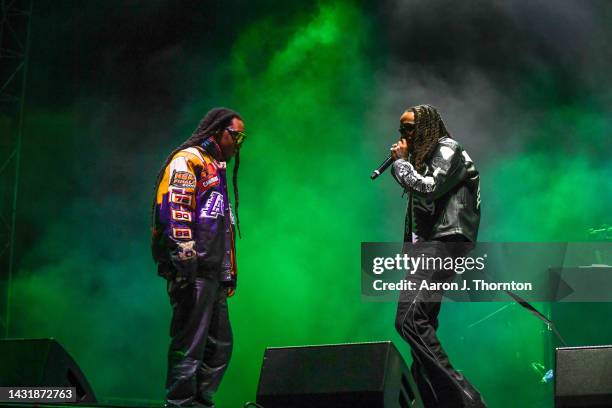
{"points": [[400, 149]]}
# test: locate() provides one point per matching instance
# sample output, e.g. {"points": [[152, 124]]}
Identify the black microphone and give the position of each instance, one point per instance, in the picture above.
{"points": [[381, 169]]}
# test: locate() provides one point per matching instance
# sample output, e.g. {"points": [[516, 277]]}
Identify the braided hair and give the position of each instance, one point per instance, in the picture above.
{"points": [[213, 124], [429, 128]]}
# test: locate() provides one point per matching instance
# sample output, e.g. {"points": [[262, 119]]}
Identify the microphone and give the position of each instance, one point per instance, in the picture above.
{"points": [[381, 169]]}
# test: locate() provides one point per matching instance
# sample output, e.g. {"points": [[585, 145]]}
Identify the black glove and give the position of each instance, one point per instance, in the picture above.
{"points": [[184, 262]]}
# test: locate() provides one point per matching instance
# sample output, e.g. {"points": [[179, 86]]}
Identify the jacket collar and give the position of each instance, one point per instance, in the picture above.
{"points": [[211, 147]]}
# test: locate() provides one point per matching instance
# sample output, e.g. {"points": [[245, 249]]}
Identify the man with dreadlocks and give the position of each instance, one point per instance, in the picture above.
{"points": [[194, 247], [443, 189]]}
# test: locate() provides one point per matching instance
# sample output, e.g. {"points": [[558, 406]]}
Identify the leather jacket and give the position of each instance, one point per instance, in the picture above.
{"points": [[445, 199], [194, 233]]}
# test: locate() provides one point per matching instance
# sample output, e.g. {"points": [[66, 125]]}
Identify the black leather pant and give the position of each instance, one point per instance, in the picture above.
{"points": [[201, 344], [440, 385]]}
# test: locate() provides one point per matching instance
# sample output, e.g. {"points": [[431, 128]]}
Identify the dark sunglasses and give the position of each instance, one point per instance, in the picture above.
{"points": [[406, 128], [238, 136]]}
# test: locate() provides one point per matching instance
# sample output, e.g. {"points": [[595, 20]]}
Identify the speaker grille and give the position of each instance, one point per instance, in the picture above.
{"points": [[583, 377]]}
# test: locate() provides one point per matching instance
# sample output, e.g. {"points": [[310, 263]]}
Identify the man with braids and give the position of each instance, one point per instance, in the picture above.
{"points": [[194, 248], [443, 190]]}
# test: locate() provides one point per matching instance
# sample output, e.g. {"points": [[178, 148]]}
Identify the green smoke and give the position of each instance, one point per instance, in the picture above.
{"points": [[302, 182]]}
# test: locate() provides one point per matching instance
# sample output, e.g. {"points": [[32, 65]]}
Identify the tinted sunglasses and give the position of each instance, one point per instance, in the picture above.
{"points": [[406, 128], [238, 136]]}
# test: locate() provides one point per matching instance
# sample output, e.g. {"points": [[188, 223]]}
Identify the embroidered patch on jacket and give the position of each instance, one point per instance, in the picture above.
{"points": [[183, 179], [181, 215], [186, 250], [209, 182], [209, 170], [213, 206], [180, 198], [181, 233], [208, 177]]}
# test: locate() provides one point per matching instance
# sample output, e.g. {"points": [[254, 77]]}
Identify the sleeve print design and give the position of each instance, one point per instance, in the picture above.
{"points": [[181, 200], [447, 166], [410, 179]]}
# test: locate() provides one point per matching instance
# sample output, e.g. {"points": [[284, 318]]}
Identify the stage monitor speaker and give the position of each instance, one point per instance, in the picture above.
{"points": [[41, 363], [583, 377], [368, 375]]}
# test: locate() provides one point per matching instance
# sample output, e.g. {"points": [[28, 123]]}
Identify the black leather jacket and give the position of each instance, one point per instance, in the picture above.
{"points": [[445, 199]]}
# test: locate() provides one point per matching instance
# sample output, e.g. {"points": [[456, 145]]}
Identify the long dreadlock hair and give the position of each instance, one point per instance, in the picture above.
{"points": [[429, 128], [213, 123]]}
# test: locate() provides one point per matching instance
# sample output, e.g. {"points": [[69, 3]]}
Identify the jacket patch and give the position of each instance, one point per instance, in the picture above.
{"points": [[213, 206], [181, 233], [181, 215], [208, 170], [208, 177], [186, 250], [183, 179], [180, 198], [210, 182]]}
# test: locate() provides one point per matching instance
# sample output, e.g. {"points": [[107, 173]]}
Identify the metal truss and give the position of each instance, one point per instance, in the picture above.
{"points": [[14, 51]]}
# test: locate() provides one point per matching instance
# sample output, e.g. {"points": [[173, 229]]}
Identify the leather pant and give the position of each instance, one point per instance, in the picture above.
{"points": [[201, 344], [440, 385]]}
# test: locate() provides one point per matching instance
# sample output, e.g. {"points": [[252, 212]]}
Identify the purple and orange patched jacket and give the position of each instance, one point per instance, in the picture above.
{"points": [[194, 234]]}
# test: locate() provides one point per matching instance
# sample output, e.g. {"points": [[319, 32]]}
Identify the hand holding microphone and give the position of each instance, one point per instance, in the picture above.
{"points": [[398, 150]]}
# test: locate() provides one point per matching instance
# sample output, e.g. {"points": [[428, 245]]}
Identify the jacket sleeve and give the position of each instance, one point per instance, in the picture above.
{"points": [[448, 170], [180, 232]]}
